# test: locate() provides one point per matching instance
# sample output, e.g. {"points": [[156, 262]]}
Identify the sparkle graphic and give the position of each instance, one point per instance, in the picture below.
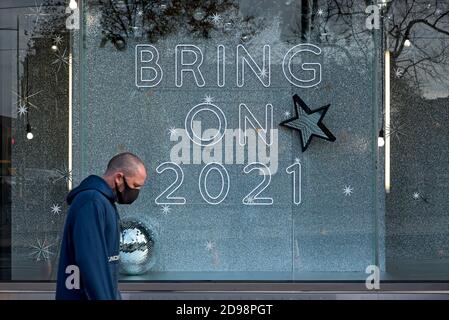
{"points": [[416, 195], [165, 209], [56, 209], [347, 190], [216, 19], [61, 60], [320, 12], [22, 110], [25, 100], [399, 72], [63, 174], [438, 12], [37, 11], [250, 200], [297, 160], [41, 250], [208, 99], [57, 39], [140, 13], [396, 130], [287, 114], [172, 131], [209, 245], [263, 73]]}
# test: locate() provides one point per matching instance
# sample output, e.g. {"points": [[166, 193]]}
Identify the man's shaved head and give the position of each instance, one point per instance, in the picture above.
{"points": [[125, 162]]}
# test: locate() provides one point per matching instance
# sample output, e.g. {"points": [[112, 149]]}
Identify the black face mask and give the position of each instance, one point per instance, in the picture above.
{"points": [[128, 195]]}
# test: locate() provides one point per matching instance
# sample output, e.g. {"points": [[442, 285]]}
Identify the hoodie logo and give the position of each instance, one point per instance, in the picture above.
{"points": [[114, 258]]}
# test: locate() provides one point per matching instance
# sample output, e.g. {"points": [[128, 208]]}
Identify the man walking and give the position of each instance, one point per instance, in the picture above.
{"points": [[89, 257]]}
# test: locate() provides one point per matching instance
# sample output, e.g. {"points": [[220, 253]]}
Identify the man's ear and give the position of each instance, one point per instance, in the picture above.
{"points": [[118, 178]]}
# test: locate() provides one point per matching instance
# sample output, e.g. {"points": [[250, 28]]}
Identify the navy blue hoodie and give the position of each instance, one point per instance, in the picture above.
{"points": [[91, 242]]}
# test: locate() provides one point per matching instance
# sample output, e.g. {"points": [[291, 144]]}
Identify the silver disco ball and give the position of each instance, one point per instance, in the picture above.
{"points": [[137, 247]]}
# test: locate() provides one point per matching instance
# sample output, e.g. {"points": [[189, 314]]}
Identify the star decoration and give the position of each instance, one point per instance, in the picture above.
{"points": [[165, 209], [22, 110], [263, 73], [396, 129], [57, 39], [249, 200], [41, 250], [37, 11], [215, 18], [320, 12], [419, 196], [25, 99], [399, 73], [61, 60], [347, 190], [308, 122], [56, 209], [172, 131], [209, 245], [208, 99], [63, 174]]}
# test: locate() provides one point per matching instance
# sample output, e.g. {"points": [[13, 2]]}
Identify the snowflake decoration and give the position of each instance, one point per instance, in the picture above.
{"points": [[57, 39], [165, 209], [263, 73], [41, 250], [216, 18], [22, 110], [25, 100], [320, 12], [208, 99], [172, 131], [37, 11], [210, 245], [287, 114], [347, 190], [61, 60], [250, 200], [399, 72], [395, 129], [56, 209], [63, 174]]}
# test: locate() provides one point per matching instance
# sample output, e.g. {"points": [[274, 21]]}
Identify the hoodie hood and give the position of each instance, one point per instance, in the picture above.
{"points": [[93, 182]]}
